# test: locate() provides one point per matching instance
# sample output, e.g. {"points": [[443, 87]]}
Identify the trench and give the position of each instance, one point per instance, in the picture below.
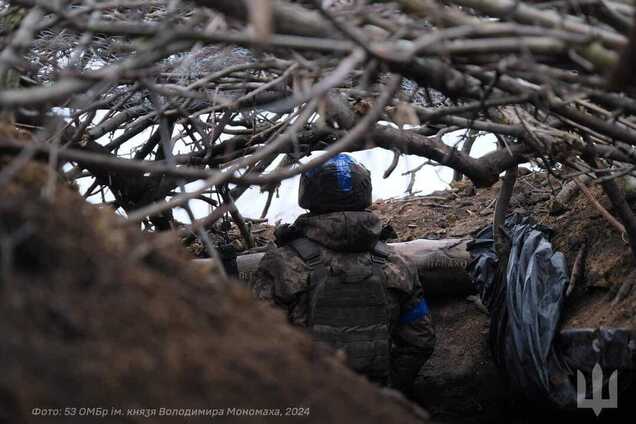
{"points": [[460, 382]]}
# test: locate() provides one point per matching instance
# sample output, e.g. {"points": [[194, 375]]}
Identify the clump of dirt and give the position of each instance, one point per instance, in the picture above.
{"points": [[93, 313]]}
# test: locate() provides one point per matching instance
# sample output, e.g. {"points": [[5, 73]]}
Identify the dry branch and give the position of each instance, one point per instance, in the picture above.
{"points": [[224, 89]]}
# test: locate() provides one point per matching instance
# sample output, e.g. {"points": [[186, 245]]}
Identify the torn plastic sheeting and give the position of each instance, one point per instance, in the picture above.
{"points": [[525, 305]]}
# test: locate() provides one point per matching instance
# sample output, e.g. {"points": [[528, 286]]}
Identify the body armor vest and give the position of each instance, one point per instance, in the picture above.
{"points": [[348, 306]]}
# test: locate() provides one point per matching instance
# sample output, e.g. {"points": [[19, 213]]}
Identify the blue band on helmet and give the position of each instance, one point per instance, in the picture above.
{"points": [[418, 311], [343, 164]]}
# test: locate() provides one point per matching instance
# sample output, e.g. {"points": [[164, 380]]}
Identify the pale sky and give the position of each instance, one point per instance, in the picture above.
{"points": [[284, 206]]}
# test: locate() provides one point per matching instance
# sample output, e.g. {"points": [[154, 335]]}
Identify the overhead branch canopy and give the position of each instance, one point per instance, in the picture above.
{"points": [[148, 96]]}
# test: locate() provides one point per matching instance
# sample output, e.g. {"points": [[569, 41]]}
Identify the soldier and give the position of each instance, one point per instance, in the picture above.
{"points": [[333, 276]]}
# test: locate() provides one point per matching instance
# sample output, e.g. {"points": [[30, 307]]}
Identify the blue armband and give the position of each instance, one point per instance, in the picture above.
{"points": [[418, 311]]}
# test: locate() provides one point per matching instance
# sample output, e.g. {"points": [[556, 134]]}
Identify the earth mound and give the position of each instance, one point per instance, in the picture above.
{"points": [[95, 314]]}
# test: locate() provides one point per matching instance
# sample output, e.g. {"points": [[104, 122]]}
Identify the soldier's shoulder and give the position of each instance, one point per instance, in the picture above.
{"points": [[400, 271], [281, 254], [283, 273], [281, 258]]}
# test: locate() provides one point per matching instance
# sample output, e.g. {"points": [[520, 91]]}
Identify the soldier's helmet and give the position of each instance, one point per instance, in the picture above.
{"points": [[340, 184]]}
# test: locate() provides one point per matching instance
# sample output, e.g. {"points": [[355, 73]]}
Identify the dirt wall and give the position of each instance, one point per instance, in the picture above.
{"points": [[93, 313]]}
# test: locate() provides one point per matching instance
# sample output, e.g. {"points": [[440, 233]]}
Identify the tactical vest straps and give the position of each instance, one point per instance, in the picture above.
{"points": [[308, 251], [311, 254], [380, 253]]}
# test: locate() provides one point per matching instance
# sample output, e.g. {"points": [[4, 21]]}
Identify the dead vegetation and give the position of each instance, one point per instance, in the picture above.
{"points": [[220, 89]]}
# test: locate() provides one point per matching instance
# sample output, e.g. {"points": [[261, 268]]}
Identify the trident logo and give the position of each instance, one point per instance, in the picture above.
{"points": [[597, 402]]}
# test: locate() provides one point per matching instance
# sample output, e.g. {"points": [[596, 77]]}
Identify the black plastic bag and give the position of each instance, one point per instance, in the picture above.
{"points": [[525, 298]]}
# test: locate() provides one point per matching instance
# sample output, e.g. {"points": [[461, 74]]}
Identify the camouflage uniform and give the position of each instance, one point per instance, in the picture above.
{"points": [[346, 240]]}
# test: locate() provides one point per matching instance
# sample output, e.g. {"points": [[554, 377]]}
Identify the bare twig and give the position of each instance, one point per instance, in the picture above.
{"points": [[608, 216], [578, 269], [499, 218]]}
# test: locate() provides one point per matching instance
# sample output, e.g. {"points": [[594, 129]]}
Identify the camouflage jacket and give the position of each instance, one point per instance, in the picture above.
{"points": [[283, 279]]}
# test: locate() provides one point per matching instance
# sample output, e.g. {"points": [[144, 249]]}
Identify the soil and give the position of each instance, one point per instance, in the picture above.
{"points": [[464, 210], [460, 382], [93, 313]]}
